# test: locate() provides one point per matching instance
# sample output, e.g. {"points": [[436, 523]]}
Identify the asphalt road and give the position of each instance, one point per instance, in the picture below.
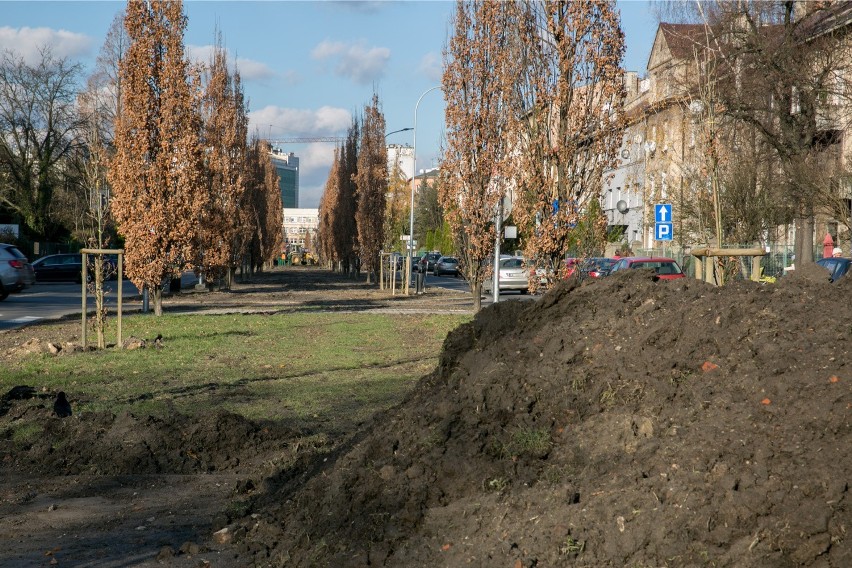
{"points": [[459, 284], [52, 300]]}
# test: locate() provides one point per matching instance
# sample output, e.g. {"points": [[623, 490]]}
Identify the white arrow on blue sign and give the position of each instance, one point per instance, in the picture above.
{"points": [[663, 213]]}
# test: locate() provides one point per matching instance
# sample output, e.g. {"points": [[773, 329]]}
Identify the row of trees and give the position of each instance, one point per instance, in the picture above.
{"points": [[535, 100], [353, 225], [154, 150], [534, 107]]}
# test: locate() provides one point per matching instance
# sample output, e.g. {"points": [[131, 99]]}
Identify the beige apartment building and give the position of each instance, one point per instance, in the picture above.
{"points": [[664, 156]]}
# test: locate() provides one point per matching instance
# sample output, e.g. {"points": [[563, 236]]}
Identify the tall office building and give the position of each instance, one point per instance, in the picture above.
{"points": [[287, 166]]}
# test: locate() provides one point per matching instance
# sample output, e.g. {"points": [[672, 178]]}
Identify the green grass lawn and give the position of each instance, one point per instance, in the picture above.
{"points": [[303, 366]]}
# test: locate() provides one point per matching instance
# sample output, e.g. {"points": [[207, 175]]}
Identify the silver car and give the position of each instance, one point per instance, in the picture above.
{"points": [[16, 273], [514, 275]]}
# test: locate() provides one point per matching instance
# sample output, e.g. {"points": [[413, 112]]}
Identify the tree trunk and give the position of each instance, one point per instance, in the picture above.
{"points": [[803, 247], [477, 297], [100, 311], [158, 300]]}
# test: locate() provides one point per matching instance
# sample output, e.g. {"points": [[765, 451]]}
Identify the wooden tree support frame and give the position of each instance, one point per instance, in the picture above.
{"points": [[85, 277], [705, 256]]}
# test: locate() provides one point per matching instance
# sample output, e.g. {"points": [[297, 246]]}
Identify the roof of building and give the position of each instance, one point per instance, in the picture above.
{"points": [[682, 39], [822, 21]]}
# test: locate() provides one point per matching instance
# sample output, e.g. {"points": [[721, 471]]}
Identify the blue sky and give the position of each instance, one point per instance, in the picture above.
{"points": [[307, 66]]}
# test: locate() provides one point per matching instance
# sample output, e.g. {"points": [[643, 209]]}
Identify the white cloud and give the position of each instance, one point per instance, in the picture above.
{"points": [[431, 66], [27, 42], [314, 166], [250, 70], [293, 122], [355, 61]]}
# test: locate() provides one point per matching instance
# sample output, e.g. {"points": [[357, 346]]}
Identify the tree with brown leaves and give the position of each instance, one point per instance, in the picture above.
{"points": [[262, 221], [569, 120], [225, 132], [157, 174], [328, 252], [371, 180], [479, 75]]}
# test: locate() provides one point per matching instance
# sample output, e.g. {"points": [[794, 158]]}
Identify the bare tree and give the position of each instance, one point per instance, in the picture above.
{"points": [[783, 74], [38, 132], [157, 174]]}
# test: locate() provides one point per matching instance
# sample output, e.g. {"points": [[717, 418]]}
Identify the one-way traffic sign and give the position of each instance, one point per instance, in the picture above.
{"points": [[663, 213]]}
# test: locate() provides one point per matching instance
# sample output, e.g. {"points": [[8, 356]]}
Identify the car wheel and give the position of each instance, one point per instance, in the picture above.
{"points": [[525, 291], [3, 293]]}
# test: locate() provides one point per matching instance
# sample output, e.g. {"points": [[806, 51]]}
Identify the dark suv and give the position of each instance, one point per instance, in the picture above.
{"points": [[15, 270]]}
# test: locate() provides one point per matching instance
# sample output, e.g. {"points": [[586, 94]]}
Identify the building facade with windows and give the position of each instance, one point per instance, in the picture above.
{"points": [[299, 227], [287, 166]]}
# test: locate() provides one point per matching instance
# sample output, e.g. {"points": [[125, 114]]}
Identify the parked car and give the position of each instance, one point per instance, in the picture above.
{"points": [[665, 268], [598, 267], [593, 267], [446, 265], [428, 260], [514, 275], [836, 266], [59, 268], [415, 263], [16, 273]]}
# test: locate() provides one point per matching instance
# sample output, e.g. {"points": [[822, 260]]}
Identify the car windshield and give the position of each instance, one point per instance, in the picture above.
{"points": [[660, 267], [511, 263]]}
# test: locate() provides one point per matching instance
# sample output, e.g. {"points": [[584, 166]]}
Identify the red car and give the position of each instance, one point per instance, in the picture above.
{"points": [[665, 268], [595, 267]]}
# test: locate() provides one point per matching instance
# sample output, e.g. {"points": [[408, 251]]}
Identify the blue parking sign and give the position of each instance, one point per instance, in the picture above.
{"points": [[663, 213], [663, 231]]}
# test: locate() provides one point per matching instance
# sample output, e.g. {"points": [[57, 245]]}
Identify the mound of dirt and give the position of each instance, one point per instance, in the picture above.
{"points": [[621, 422], [102, 443]]}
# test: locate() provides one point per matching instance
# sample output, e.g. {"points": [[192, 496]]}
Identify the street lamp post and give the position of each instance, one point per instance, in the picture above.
{"points": [[400, 130], [413, 185]]}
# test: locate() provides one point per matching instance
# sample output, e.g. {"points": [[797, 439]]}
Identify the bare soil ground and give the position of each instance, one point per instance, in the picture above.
{"points": [[621, 422]]}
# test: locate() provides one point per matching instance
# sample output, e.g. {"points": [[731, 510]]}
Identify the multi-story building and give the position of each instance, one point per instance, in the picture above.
{"points": [[655, 155], [287, 166], [401, 156], [665, 157], [297, 225]]}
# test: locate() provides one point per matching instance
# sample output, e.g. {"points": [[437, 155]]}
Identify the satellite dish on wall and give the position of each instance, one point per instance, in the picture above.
{"points": [[622, 206]]}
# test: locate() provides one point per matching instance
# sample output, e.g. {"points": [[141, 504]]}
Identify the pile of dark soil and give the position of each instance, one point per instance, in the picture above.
{"points": [[622, 422], [103, 443]]}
